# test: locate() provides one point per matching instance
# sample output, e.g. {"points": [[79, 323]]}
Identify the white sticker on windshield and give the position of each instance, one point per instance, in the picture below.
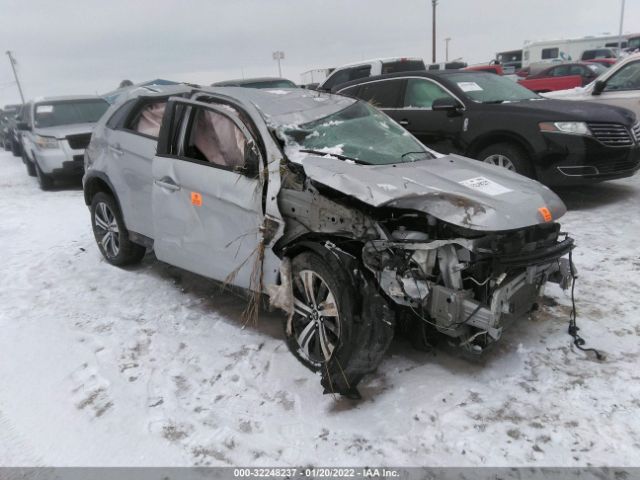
{"points": [[44, 109], [469, 87], [484, 185]]}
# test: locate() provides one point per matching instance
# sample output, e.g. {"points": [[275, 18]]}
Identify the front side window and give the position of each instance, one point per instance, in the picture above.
{"points": [[384, 94], [358, 133], [337, 78], [548, 53], [360, 72], [53, 114], [421, 93], [215, 138], [627, 78], [487, 88]]}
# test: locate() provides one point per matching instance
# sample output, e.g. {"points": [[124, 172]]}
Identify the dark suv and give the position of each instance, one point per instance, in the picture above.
{"points": [[495, 120]]}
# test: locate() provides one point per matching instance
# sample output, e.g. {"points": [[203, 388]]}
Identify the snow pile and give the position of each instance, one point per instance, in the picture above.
{"points": [[151, 365]]}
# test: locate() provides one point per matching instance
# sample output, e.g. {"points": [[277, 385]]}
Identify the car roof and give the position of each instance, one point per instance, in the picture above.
{"points": [[383, 60], [277, 106], [67, 98], [433, 74], [243, 81]]}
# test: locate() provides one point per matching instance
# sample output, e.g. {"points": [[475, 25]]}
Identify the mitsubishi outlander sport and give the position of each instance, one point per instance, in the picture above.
{"points": [[330, 209]]}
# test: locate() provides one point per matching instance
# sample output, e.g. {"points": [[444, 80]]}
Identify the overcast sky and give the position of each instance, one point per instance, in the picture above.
{"points": [[89, 46]]}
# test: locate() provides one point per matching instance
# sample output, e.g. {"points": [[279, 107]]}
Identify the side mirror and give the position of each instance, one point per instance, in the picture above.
{"points": [[22, 126], [599, 87], [446, 104]]}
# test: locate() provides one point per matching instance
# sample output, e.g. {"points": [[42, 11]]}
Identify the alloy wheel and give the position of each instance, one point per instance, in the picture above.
{"points": [[500, 161], [316, 322], [107, 230]]}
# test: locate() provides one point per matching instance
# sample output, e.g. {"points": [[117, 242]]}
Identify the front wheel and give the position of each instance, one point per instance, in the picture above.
{"points": [[45, 181], [110, 233], [509, 156], [322, 310]]}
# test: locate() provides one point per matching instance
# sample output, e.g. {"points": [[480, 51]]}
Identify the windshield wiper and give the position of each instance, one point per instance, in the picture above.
{"points": [[423, 152], [337, 155]]}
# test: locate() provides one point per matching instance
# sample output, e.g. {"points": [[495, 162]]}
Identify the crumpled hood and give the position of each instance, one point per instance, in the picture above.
{"points": [[454, 189], [62, 131]]}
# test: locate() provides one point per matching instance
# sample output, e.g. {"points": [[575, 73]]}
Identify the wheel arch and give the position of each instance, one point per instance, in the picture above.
{"points": [[492, 138], [98, 182]]}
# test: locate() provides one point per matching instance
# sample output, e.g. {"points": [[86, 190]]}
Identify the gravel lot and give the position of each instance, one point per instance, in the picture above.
{"points": [[153, 366]]}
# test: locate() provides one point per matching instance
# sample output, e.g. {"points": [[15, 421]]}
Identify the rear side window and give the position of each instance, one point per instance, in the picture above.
{"points": [[403, 66], [120, 116], [382, 94], [422, 93], [147, 119], [550, 53]]}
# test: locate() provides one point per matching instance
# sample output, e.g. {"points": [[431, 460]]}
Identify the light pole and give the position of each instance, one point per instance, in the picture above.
{"points": [[446, 48], [13, 62], [433, 32], [621, 22], [279, 55]]}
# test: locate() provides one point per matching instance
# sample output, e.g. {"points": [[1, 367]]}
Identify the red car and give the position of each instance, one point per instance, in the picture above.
{"points": [[562, 77], [497, 69]]}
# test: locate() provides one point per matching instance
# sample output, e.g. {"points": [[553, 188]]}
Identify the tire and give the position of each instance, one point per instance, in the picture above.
{"points": [[362, 323], [6, 145], [311, 270], [110, 233], [31, 169], [503, 154], [45, 181], [15, 149]]}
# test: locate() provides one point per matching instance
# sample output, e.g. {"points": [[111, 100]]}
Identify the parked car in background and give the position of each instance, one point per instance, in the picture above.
{"points": [[55, 133], [510, 60], [497, 121], [619, 86], [264, 82], [597, 53], [605, 62], [492, 68], [562, 77], [315, 76], [454, 65], [12, 134], [303, 196], [369, 68]]}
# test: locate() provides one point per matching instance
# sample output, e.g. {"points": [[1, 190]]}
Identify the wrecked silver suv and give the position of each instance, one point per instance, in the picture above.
{"points": [[329, 208]]}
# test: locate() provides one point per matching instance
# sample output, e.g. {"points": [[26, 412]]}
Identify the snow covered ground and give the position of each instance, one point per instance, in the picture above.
{"points": [[152, 366]]}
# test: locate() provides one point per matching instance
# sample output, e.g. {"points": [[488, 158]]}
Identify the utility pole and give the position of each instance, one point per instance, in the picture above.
{"points": [[433, 32], [621, 23], [13, 62], [446, 48], [279, 55]]}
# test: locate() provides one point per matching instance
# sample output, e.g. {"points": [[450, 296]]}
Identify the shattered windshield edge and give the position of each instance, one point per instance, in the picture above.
{"points": [[359, 133]]}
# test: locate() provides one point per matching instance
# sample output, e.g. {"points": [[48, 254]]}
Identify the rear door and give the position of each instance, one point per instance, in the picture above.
{"points": [[206, 195], [132, 146], [438, 130]]}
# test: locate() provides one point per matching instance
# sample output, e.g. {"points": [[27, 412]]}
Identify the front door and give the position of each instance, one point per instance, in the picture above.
{"points": [[207, 200], [439, 130]]}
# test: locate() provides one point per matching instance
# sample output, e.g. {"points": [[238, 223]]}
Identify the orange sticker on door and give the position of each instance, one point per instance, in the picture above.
{"points": [[196, 199], [546, 214]]}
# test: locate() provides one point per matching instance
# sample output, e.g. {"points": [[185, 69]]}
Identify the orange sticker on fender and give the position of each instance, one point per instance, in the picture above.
{"points": [[196, 199], [546, 214]]}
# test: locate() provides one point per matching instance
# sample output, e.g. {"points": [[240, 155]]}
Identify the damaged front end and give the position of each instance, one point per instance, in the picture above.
{"points": [[461, 284]]}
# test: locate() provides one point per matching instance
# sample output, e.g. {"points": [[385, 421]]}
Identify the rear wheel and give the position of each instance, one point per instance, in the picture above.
{"points": [[110, 233], [509, 156]]}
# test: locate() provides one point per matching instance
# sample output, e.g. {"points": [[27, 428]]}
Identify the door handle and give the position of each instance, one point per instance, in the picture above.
{"points": [[167, 183], [404, 122], [116, 149]]}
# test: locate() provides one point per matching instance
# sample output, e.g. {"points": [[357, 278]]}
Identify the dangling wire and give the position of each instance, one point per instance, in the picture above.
{"points": [[578, 341]]}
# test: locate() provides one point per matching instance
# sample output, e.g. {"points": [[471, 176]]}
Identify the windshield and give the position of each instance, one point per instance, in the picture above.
{"points": [[271, 84], [487, 88], [597, 68], [358, 133], [53, 114]]}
